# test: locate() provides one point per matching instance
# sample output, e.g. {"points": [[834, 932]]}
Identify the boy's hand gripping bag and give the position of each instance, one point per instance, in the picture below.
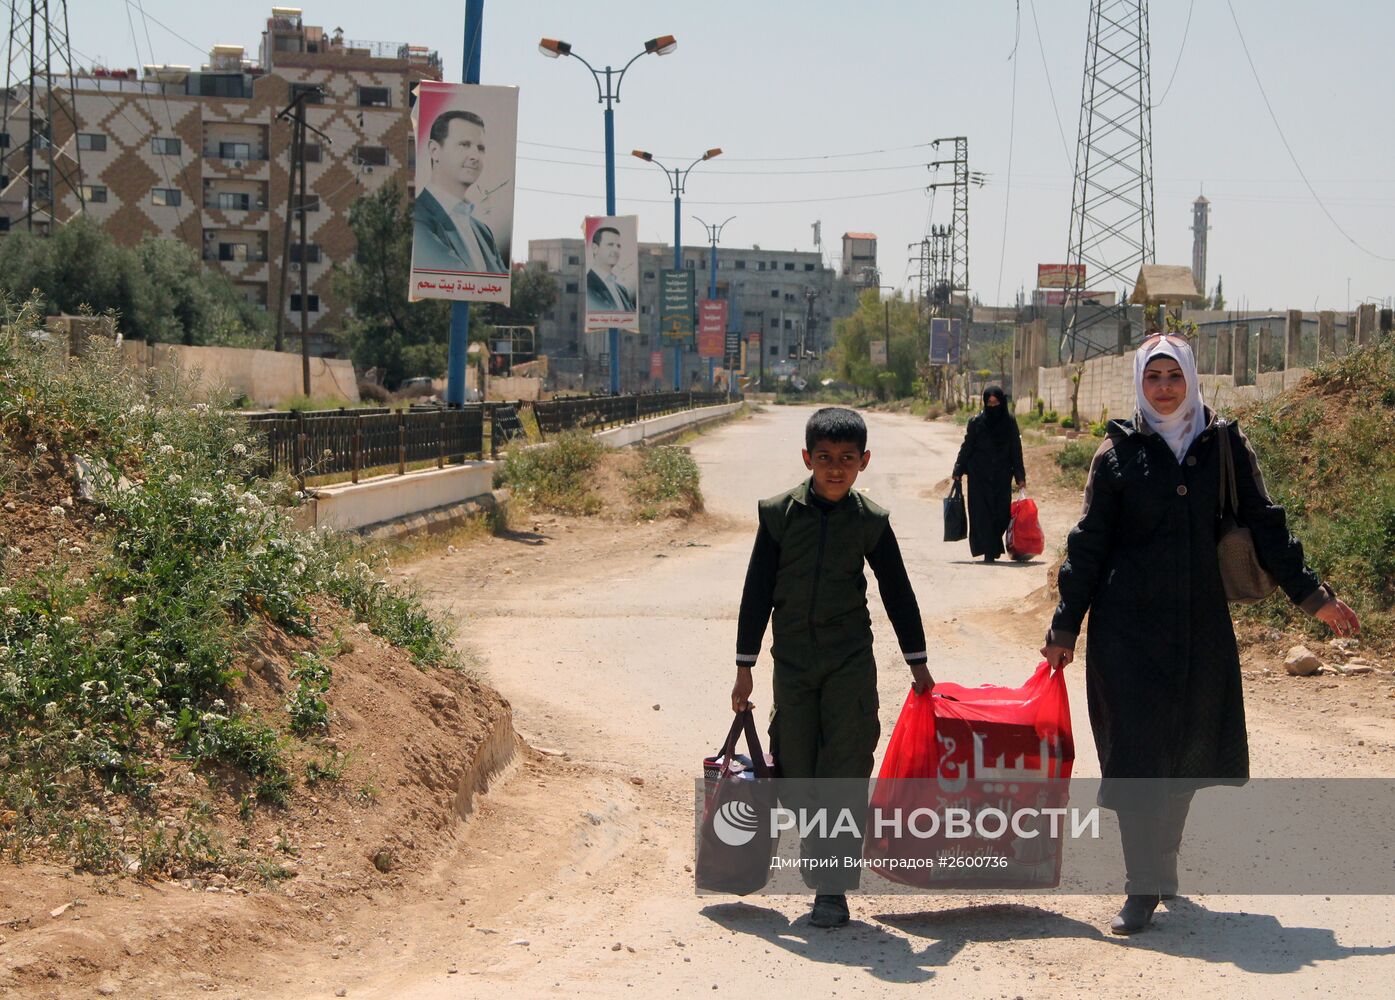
{"points": [[974, 751], [1024, 534], [956, 516], [735, 844]]}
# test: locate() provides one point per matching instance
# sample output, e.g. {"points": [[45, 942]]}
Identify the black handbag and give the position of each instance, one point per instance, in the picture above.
{"points": [[735, 838], [956, 517], [1244, 576]]}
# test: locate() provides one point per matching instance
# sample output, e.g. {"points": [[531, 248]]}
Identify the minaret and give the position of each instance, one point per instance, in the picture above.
{"points": [[1201, 215]]}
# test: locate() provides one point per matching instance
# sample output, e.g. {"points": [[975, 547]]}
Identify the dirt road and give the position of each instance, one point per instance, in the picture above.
{"points": [[615, 648]]}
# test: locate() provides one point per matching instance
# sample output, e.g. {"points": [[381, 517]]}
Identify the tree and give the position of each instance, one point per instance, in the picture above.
{"points": [[158, 290], [894, 320], [401, 338], [1219, 301]]}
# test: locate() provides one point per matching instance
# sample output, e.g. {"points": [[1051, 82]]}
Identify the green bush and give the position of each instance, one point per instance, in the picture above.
{"points": [[667, 481], [1073, 461], [1325, 449], [557, 475], [105, 671], [1050, 417]]}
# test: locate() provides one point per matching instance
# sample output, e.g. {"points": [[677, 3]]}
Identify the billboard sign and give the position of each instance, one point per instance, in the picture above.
{"points": [[877, 351], [612, 272], [1060, 275], [712, 328], [462, 228], [676, 300], [945, 341]]}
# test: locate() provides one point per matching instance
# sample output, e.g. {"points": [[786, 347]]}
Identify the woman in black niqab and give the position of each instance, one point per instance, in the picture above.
{"points": [[991, 456]]}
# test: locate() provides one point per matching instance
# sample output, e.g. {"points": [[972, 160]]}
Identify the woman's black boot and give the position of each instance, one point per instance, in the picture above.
{"points": [[1136, 914]]}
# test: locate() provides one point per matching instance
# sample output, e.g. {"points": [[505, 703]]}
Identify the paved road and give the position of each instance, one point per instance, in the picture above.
{"points": [[622, 659]]}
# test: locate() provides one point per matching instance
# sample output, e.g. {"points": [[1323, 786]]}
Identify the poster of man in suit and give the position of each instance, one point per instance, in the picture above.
{"points": [[612, 272], [462, 232]]}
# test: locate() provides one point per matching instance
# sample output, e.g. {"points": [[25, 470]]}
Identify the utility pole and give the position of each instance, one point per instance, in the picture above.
{"points": [[295, 114], [959, 224]]}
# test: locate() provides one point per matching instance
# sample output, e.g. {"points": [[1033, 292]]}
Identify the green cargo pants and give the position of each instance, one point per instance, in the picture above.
{"points": [[823, 735]]}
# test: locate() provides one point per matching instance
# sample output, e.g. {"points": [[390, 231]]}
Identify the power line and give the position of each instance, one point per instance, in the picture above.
{"points": [[1289, 149], [1041, 47], [1012, 132], [761, 201], [1182, 48], [751, 173], [748, 159]]}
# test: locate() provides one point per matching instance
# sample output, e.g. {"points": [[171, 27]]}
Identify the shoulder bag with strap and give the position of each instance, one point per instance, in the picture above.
{"points": [[1245, 578]]}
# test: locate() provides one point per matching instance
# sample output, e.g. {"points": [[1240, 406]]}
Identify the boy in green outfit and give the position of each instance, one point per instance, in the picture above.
{"points": [[806, 566]]}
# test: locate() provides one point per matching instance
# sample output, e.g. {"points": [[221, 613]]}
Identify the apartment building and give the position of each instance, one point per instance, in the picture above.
{"points": [[786, 299], [198, 155]]}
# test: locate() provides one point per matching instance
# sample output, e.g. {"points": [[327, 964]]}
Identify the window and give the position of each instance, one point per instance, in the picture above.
{"points": [[371, 156], [573, 319], [231, 201], [314, 94], [220, 85], [165, 146], [741, 265], [808, 267], [235, 150], [94, 193], [644, 340], [643, 311], [774, 324], [774, 348], [649, 275], [374, 97], [572, 287], [789, 265], [4, 223], [232, 251], [573, 260], [760, 265], [169, 197], [312, 152], [92, 142], [312, 203], [789, 324], [312, 303], [4, 140], [311, 253], [774, 293], [690, 265]]}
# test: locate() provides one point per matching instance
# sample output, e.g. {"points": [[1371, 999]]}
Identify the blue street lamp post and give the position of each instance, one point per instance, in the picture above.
{"points": [[678, 180], [460, 311], [609, 96], [714, 234]]}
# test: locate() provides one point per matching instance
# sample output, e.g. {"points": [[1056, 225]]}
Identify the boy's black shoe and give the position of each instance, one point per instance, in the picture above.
{"points": [[1136, 915], [829, 910]]}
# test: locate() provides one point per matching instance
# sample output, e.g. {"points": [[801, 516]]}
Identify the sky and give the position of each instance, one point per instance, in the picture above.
{"points": [[824, 111]]}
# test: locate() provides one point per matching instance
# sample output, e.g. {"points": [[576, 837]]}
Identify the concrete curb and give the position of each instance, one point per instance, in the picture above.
{"points": [[438, 519]]}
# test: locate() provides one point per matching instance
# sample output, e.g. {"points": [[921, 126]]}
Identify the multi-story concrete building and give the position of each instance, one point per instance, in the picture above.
{"points": [[786, 299], [198, 155]]}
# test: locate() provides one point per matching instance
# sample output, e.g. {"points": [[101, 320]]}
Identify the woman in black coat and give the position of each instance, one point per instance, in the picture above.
{"points": [[992, 456], [1162, 669]]}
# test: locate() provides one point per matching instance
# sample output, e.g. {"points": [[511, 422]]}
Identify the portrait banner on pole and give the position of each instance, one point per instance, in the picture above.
{"points": [[712, 328], [612, 272], [462, 230], [656, 364], [731, 349], [676, 300], [877, 353]]}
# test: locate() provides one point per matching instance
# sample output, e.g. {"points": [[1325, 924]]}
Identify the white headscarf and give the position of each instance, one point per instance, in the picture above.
{"points": [[1181, 427]]}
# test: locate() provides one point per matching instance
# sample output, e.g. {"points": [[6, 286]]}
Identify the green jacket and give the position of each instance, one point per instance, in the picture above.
{"points": [[820, 594]]}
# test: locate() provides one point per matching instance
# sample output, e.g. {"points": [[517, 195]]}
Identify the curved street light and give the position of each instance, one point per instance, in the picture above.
{"points": [[608, 93], [677, 182]]}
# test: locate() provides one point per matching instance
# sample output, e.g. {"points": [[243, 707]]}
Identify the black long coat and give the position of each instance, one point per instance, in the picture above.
{"points": [[992, 459], [1161, 666]]}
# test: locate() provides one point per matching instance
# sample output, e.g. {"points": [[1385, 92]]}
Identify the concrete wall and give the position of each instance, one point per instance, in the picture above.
{"points": [[627, 434], [267, 378], [350, 506], [1107, 382]]}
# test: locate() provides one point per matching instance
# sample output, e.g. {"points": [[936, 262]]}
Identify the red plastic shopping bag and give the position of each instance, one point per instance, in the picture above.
{"points": [[1024, 534], [985, 754]]}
